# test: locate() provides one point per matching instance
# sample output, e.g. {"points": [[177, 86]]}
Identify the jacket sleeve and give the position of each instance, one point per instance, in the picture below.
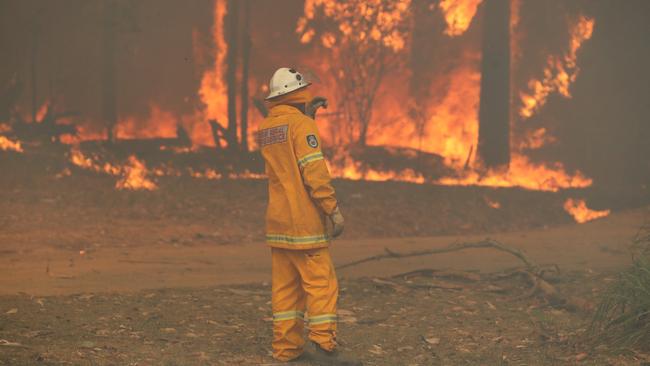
{"points": [[310, 160]]}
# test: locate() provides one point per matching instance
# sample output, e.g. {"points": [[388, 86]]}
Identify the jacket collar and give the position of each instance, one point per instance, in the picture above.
{"points": [[281, 109]]}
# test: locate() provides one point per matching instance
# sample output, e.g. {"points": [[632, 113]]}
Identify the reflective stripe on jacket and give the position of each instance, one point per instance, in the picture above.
{"points": [[300, 192]]}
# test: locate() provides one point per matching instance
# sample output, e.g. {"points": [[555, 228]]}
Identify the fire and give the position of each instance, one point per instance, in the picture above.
{"points": [[160, 124], [42, 111], [450, 129], [134, 173], [206, 174], [580, 212], [492, 203], [458, 15], [213, 89], [449, 125], [560, 72], [523, 173], [135, 176], [452, 126], [353, 170], [8, 145], [180, 149], [212, 174], [79, 159], [84, 133], [536, 139]]}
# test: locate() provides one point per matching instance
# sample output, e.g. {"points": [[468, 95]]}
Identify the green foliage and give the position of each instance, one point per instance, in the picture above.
{"points": [[622, 319]]}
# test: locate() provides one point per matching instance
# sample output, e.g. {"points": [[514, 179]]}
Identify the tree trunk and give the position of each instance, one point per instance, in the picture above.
{"points": [[34, 57], [246, 44], [109, 97], [494, 113], [231, 73]]}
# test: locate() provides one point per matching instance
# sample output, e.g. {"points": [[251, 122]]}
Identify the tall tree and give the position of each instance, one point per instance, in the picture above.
{"points": [[364, 38], [246, 47], [231, 72], [494, 113], [109, 91]]}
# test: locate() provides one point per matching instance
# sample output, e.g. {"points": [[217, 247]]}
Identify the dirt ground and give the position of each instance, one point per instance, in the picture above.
{"points": [[383, 322], [179, 276]]}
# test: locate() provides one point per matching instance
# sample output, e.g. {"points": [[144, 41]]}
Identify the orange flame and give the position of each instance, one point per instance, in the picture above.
{"points": [[213, 89], [492, 203], [79, 159], [458, 15], [452, 126], [8, 145], [42, 111], [559, 73], [160, 124], [206, 174], [135, 176], [578, 209], [450, 121], [536, 139], [523, 173], [353, 170]]}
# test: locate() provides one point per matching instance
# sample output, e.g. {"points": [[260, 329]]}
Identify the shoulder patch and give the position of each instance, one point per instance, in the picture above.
{"points": [[273, 135], [312, 141]]}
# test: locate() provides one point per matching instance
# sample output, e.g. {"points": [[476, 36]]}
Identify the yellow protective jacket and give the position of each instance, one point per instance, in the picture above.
{"points": [[300, 193]]}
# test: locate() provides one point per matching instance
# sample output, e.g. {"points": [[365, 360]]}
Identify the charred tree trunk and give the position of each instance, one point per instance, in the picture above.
{"points": [[246, 47], [423, 53], [494, 113], [34, 57], [231, 73], [109, 95]]}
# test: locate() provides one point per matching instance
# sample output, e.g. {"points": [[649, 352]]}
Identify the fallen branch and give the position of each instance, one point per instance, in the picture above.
{"points": [[487, 243], [6, 343], [450, 273], [532, 272]]}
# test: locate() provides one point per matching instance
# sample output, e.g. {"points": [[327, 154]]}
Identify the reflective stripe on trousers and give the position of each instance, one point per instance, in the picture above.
{"points": [[303, 280]]}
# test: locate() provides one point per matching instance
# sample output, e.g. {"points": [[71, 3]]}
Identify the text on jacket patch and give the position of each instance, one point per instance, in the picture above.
{"points": [[273, 135]]}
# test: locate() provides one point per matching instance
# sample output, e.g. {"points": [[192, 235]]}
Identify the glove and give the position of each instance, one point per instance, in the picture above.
{"points": [[337, 222], [312, 106]]}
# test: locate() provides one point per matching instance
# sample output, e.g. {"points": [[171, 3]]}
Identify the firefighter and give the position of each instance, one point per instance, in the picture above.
{"points": [[301, 201]]}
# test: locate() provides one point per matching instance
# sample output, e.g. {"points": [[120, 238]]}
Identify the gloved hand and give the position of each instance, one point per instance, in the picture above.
{"points": [[337, 222], [313, 105]]}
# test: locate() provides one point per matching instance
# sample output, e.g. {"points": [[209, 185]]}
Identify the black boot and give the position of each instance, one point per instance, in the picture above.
{"points": [[315, 354]]}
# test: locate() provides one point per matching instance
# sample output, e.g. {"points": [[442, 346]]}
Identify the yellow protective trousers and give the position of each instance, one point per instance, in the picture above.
{"points": [[303, 280]]}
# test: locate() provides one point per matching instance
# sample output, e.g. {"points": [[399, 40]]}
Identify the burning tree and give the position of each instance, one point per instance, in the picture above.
{"points": [[231, 33], [119, 17], [364, 37]]}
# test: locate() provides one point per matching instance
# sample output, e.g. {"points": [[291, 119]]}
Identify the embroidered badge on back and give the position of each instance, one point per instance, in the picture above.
{"points": [[312, 141], [273, 135]]}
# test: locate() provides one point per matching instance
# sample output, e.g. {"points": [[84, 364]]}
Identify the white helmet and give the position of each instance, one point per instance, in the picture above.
{"points": [[285, 80]]}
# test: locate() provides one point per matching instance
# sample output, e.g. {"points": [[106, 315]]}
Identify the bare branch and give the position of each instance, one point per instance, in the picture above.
{"points": [[487, 243]]}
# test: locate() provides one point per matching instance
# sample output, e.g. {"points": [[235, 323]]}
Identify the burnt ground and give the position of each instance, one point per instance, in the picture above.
{"points": [[394, 322], [71, 210], [389, 321]]}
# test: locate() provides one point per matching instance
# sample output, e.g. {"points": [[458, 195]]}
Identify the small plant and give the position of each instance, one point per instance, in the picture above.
{"points": [[622, 319]]}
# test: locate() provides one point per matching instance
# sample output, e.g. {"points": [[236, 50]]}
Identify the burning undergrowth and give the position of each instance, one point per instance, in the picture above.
{"points": [[390, 119], [140, 172]]}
